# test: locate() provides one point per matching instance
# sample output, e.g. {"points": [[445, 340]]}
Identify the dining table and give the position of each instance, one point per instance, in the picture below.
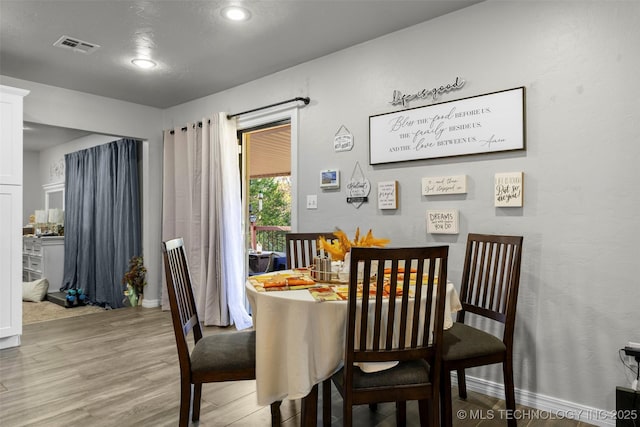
{"points": [[300, 341]]}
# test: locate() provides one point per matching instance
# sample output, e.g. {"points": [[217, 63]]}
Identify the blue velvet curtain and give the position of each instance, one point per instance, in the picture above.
{"points": [[101, 220]]}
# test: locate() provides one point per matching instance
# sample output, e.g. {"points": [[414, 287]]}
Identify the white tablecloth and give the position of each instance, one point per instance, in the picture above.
{"points": [[300, 342]]}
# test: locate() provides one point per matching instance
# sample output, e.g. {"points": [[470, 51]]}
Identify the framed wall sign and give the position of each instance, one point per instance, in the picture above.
{"points": [[475, 125], [509, 190], [443, 221], [436, 185], [388, 195]]}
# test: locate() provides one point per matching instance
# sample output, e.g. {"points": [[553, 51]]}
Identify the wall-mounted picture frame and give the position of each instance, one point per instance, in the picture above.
{"points": [[443, 221], [437, 185], [388, 195], [509, 190], [330, 178], [479, 124]]}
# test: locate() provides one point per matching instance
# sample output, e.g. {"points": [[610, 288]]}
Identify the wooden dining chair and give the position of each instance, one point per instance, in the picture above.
{"points": [[489, 288], [214, 358], [393, 327], [303, 247]]}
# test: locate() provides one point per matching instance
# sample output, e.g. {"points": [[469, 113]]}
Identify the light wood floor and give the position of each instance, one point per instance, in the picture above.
{"points": [[120, 368]]}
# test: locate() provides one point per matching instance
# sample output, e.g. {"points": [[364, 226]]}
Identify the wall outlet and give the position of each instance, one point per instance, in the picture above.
{"points": [[312, 201]]}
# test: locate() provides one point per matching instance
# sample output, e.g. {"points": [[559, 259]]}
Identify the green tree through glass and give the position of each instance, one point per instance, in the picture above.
{"points": [[276, 200]]}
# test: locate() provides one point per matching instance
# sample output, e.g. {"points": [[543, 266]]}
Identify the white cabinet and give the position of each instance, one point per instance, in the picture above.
{"points": [[43, 257], [10, 215], [11, 135]]}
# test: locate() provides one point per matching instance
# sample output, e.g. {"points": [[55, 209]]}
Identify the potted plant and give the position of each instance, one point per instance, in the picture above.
{"points": [[136, 280]]}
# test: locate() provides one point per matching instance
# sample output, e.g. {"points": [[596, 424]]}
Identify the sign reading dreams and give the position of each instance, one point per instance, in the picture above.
{"points": [[479, 124]]}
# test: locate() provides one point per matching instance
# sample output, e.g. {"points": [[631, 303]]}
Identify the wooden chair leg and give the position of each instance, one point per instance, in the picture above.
{"points": [[462, 384], [326, 403], [275, 413], [309, 415], [185, 402], [427, 414], [197, 396], [509, 390], [347, 413], [401, 413], [424, 413], [446, 408]]}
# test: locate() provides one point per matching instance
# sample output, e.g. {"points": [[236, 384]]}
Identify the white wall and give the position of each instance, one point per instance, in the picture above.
{"points": [[32, 195], [579, 300]]}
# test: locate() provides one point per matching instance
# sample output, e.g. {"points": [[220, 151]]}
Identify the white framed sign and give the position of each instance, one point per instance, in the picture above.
{"points": [[509, 190], [443, 221], [479, 124], [388, 195], [436, 185]]}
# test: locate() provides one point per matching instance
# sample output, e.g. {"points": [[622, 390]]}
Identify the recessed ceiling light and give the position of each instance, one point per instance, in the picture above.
{"points": [[236, 13], [143, 63]]}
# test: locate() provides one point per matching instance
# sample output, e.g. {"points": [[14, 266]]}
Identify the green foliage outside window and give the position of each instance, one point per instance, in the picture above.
{"points": [[276, 200]]}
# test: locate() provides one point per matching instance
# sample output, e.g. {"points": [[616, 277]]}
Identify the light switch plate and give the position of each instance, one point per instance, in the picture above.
{"points": [[312, 201]]}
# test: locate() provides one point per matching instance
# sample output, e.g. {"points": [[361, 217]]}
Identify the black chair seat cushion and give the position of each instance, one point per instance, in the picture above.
{"points": [[225, 352], [464, 342], [405, 373]]}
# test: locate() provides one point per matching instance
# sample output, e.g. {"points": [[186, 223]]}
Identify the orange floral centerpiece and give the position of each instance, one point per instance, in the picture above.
{"points": [[339, 247]]}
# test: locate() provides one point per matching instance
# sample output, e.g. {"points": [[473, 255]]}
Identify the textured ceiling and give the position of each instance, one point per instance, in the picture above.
{"points": [[197, 51], [38, 137]]}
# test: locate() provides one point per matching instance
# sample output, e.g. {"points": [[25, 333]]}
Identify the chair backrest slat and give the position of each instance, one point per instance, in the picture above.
{"points": [[491, 276], [301, 248], [377, 325]]}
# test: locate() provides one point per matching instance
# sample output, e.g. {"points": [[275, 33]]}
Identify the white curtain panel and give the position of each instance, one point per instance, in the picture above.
{"points": [[202, 204]]}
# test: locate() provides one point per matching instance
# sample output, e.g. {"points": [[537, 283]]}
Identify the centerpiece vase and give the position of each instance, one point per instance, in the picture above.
{"points": [[343, 275]]}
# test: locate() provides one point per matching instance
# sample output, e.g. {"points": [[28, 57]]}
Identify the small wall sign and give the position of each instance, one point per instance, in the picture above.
{"points": [[387, 195], [436, 185], [343, 140], [444, 221], [358, 187], [509, 189]]}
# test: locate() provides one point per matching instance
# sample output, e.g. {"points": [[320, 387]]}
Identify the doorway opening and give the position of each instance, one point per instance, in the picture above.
{"points": [[265, 162]]}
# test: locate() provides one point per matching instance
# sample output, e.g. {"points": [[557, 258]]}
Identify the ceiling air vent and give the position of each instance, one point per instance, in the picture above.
{"points": [[76, 45]]}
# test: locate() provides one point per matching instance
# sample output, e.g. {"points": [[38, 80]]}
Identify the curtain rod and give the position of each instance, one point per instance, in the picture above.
{"points": [[305, 100], [184, 129]]}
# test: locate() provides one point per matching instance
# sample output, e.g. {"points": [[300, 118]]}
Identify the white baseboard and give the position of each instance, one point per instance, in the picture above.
{"points": [[150, 303], [10, 341], [555, 408]]}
